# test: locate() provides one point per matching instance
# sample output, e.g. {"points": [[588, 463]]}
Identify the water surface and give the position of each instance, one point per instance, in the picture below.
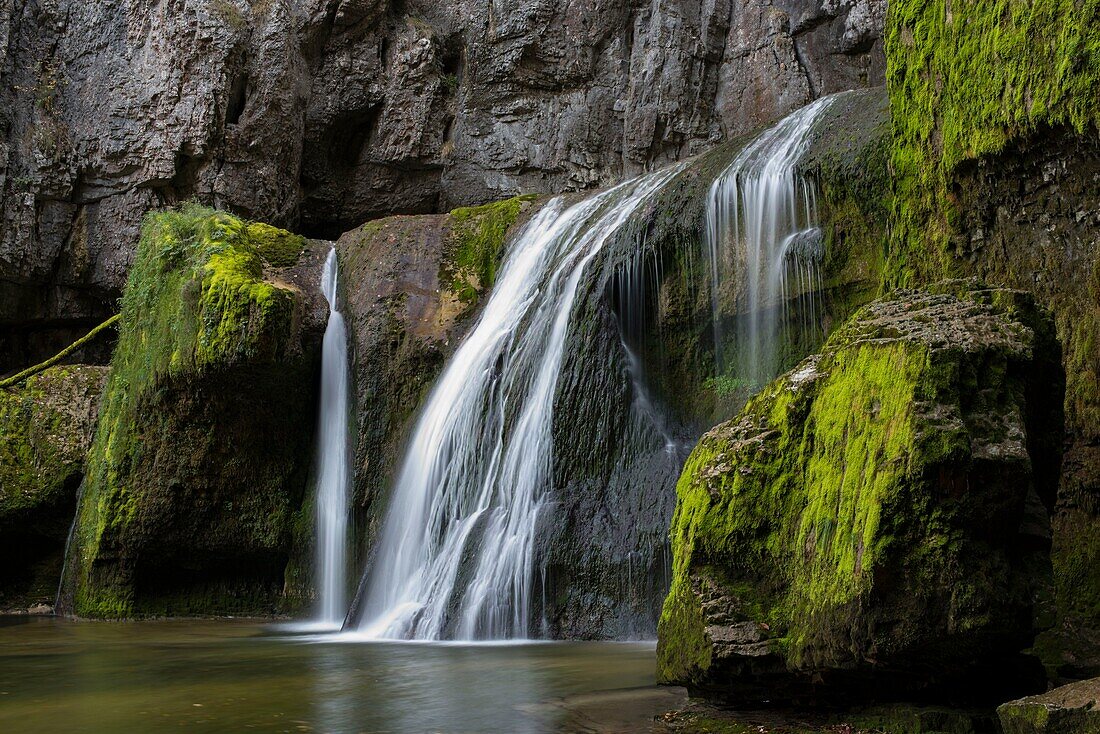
{"points": [[229, 676]]}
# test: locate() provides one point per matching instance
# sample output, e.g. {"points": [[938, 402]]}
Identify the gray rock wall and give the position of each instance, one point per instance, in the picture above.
{"points": [[321, 114]]}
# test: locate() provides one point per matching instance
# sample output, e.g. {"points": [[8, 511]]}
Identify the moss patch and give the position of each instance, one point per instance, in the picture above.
{"points": [[965, 79], [474, 249]]}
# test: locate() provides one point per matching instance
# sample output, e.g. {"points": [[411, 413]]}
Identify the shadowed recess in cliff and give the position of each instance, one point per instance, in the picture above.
{"points": [[457, 557]]}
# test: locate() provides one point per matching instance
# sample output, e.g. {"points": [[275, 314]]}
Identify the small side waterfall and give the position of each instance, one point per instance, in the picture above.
{"points": [[332, 459], [761, 224], [456, 554]]}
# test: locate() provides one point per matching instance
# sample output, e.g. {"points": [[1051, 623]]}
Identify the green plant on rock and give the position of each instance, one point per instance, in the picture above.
{"points": [[476, 245]]}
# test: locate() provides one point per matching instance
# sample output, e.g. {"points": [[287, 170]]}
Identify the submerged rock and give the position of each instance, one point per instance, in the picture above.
{"points": [[1072, 709], [200, 459], [46, 426], [875, 521]]}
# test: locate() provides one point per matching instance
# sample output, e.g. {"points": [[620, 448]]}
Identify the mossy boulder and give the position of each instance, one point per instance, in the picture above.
{"points": [[1071, 709], [875, 521], [201, 456], [46, 426]]}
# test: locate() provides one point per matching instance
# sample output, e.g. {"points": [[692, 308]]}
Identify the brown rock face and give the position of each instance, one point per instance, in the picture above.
{"points": [[320, 114]]}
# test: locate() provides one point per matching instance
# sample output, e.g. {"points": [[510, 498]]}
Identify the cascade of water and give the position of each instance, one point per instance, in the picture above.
{"points": [[456, 553], [332, 458], [761, 224]]}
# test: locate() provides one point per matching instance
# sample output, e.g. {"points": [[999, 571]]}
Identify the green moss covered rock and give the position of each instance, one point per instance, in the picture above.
{"points": [[1071, 709], [875, 521], [46, 426], [996, 156], [202, 451]]}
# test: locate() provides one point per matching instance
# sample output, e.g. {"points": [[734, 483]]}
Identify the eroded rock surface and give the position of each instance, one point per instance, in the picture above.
{"points": [[320, 114]]}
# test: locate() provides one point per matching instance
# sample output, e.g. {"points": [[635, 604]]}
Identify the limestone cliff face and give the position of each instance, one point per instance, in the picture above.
{"points": [[320, 114]]}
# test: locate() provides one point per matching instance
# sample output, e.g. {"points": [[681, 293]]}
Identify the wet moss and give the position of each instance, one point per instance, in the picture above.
{"points": [[473, 253], [45, 430]]}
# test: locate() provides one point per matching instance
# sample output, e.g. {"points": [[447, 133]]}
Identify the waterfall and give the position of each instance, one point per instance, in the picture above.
{"points": [[332, 458], [761, 222], [58, 609], [456, 553]]}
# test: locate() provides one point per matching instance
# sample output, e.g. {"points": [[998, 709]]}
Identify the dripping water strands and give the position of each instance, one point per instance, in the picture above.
{"points": [[58, 600], [456, 557], [332, 459], [635, 288], [761, 226]]}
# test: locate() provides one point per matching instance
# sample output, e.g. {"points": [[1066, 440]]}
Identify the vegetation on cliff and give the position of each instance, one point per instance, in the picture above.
{"points": [[965, 80]]}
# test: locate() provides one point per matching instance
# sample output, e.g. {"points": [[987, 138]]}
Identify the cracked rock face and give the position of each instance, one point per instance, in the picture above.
{"points": [[320, 114]]}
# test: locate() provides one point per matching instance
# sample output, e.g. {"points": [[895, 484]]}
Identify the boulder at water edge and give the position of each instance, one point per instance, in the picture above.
{"points": [[196, 477], [875, 522]]}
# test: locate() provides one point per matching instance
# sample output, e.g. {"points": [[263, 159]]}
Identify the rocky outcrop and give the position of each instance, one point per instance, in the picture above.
{"points": [[321, 114], [46, 428], [997, 162], [1072, 709], [202, 451], [875, 522]]}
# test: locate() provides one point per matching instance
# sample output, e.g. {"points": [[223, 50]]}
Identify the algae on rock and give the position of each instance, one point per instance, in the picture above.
{"points": [[202, 448], [877, 513]]}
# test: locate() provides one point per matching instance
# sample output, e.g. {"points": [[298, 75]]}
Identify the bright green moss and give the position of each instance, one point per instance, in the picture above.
{"points": [[277, 247], [476, 244], [965, 78], [195, 301]]}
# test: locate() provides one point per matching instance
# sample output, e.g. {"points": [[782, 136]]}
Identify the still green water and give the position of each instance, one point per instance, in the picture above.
{"points": [[229, 676]]}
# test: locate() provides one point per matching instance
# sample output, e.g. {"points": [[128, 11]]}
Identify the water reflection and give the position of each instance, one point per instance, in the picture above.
{"points": [[241, 676]]}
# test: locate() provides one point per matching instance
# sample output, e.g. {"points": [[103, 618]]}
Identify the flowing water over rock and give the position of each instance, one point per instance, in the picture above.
{"points": [[456, 556], [332, 459], [762, 237]]}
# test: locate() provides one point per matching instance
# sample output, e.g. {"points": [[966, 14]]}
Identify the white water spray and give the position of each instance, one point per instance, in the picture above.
{"points": [[456, 555], [332, 459], [761, 222]]}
